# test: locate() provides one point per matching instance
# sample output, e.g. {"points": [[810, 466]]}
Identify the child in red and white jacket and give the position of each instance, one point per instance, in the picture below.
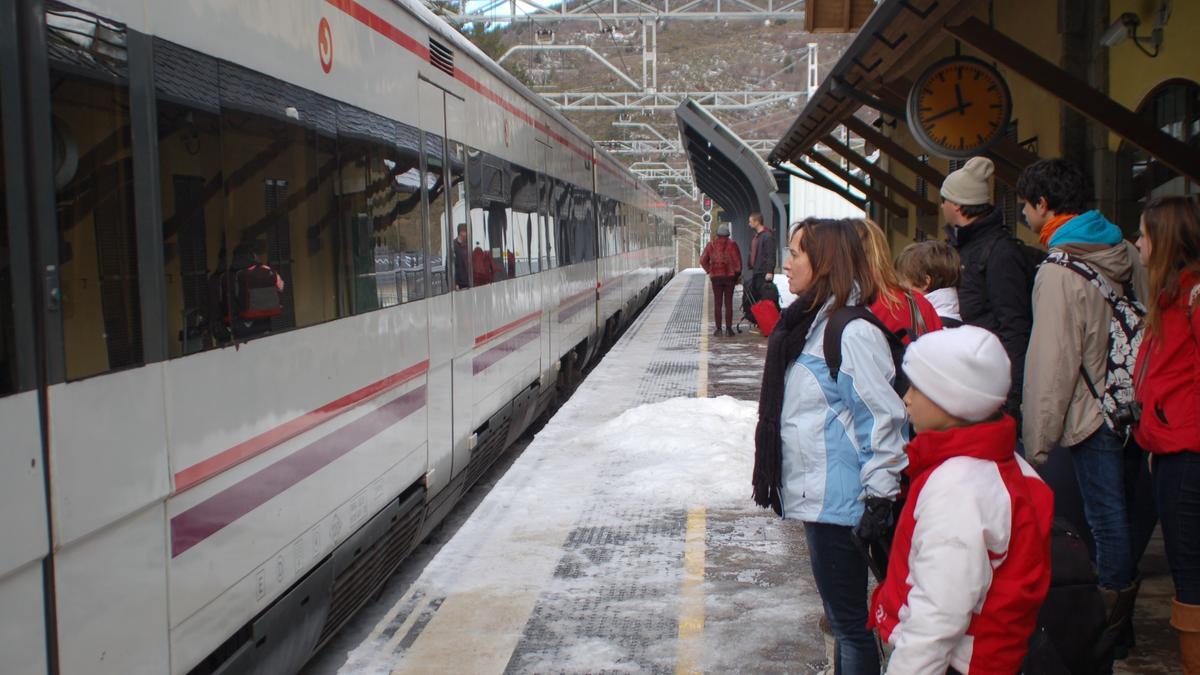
{"points": [[970, 563]]}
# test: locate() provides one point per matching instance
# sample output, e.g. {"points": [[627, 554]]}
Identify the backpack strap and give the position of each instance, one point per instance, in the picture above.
{"points": [[916, 319], [1094, 278], [1192, 301], [837, 325]]}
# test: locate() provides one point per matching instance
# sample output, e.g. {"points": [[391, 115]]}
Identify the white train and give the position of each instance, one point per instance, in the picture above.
{"points": [[187, 486]]}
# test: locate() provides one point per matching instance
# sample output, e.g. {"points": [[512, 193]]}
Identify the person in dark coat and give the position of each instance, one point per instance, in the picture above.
{"points": [[462, 259], [996, 288], [761, 263]]}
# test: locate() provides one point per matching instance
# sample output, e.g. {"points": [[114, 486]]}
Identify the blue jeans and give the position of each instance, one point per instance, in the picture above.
{"points": [[841, 575], [1177, 491], [1100, 470]]}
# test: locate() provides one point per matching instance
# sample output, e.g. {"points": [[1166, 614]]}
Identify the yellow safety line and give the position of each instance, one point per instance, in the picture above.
{"points": [[702, 381], [691, 606]]}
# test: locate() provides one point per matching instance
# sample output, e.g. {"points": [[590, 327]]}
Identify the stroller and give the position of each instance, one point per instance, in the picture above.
{"points": [[752, 297]]}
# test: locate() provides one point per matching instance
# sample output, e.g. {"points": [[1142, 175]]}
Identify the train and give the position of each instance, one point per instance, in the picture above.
{"points": [[189, 486]]}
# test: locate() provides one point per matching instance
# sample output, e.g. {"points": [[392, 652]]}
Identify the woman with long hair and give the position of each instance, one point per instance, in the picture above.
{"points": [[1167, 387], [905, 311], [829, 447]]}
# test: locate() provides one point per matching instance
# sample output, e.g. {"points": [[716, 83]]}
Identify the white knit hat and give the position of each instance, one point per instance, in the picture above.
{"points": [[723, 230], [964, 370], [969, 185]]}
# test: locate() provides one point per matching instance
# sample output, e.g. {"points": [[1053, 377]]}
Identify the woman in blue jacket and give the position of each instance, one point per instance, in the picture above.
{"points": [[830, 451]]}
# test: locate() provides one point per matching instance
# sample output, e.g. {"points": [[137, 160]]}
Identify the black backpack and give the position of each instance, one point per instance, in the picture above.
{"points": [[1071, 637], [1031, 257], [833, 342], [258, 294]]}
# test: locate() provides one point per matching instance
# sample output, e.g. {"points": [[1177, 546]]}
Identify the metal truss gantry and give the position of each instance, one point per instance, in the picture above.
{"points": [[459, 11], [668, 147], [667, 101]]}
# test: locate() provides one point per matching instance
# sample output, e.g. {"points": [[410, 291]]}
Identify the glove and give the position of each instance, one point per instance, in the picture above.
{"points": [[876, 523]]}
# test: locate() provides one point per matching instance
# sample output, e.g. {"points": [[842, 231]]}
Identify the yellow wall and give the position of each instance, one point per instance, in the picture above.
{"points": [[1132, 74]]}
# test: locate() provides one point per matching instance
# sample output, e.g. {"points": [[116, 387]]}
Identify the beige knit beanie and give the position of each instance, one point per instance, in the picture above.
{"points": [[969, 185]]}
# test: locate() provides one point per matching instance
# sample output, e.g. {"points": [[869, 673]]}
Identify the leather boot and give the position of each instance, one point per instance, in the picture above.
{"points": [[1118, 606], [1186, 620]]}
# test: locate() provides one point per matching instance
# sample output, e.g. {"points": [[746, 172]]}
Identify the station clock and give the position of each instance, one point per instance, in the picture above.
{"points": [[959, 107]]}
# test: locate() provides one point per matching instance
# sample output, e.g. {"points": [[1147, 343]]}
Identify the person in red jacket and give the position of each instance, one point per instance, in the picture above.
{"points": [[906, 313], [722, 260], [1167, 387], [970, 562]]}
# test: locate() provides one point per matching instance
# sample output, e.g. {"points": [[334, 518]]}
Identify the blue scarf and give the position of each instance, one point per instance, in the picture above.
{"points": [[1087, 228]]}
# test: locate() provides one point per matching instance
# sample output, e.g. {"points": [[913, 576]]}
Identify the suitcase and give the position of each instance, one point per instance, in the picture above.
{"points": [[766, 315]]}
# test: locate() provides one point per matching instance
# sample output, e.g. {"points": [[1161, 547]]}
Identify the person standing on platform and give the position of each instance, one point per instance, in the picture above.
{"points": [[932, 268], [1167, 387], [762, 259], [722, 261], [829, 448], [997, 277], [1067, 366], [905, 312], [970, 563]]}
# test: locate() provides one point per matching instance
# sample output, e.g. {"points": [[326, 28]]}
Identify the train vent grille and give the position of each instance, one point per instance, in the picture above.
{"points": [[356, 584], [441, 57]]}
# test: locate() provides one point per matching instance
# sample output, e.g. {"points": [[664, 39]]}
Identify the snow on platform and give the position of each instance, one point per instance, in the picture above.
{"points": [[623, 539]]}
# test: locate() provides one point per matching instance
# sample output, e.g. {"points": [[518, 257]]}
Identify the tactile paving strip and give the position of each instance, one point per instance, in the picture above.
{"points": [[674, 372], [615, 590]]}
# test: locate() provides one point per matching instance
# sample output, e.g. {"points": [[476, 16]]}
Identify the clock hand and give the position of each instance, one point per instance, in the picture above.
{"points": [[959, 98], [960, 109]]}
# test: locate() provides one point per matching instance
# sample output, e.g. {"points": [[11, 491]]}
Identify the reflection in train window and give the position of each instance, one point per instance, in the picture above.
{"points": [[457, 212], [93, 178], [379, 199], [549, 215], [280, 166], [523, 221], [435, 188], [490, 182]]}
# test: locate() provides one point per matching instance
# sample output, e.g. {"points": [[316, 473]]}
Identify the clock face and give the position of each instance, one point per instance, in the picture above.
{"points": [[958, 107]]}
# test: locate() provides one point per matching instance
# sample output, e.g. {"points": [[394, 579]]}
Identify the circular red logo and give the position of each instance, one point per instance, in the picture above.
{"points": [[325, 45]]}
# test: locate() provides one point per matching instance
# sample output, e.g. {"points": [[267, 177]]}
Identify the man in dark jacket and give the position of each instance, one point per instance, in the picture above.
{"points": [[997, 283], [761, 267]]}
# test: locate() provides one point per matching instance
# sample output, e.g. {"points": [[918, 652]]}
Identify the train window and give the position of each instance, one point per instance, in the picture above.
{"points": [[549, 217], [193, 196], [435, 189], [490, 183], [458, 213], [523, 221], [561, 203], [93, 178], [379, 202], [584, 226], [279, 161]]}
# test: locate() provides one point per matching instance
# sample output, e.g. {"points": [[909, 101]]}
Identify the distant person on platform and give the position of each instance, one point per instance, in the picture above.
{"points": [[762, 257], [722, 260], [462, 259], [996, 287]]}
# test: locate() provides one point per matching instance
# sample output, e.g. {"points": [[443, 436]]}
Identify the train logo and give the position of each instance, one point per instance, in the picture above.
{"points": [[325, 45]]}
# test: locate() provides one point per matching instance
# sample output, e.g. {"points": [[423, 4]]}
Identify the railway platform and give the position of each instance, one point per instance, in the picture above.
{"points": [[623, 539]]}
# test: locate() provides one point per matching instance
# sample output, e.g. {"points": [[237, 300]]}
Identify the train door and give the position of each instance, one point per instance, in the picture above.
{"points": [[440, 305], [459, 212], [24, 565], [551, 290]]}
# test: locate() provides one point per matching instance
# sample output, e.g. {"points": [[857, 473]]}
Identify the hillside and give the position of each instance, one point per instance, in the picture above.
{"points": [[692, 56]]}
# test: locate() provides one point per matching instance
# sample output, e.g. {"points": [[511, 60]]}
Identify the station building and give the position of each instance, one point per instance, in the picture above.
{"points": [[1113, 85]]}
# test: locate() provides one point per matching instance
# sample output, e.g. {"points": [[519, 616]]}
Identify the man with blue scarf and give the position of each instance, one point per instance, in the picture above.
{"points": [[1069, 347]]}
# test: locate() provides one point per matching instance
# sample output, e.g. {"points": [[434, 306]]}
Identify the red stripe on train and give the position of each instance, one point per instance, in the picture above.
{"points": [[220, 510], [490, 357], [227, 459], [492, 334]]}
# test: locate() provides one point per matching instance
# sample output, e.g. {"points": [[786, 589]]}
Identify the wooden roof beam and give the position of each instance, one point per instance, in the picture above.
{"points": [[894, 150], [897, 186], [1122, 121], [862, 186]]}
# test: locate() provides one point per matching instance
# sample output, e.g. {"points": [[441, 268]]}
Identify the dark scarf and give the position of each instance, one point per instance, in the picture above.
{"points": [[783, 347]]}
